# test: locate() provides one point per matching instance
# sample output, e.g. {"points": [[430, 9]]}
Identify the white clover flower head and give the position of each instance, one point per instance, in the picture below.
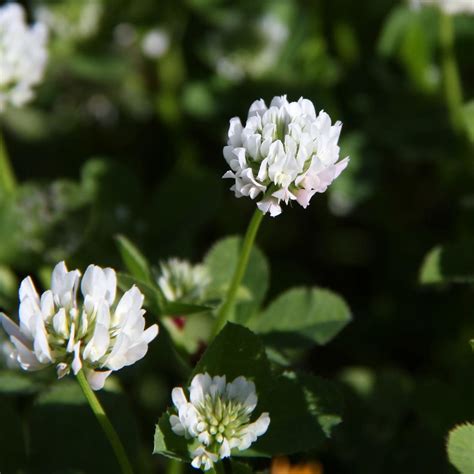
{"points": [[181, 281], [284, 152], [450, 7], [96, 335], [155, 43], [23, 56], [218, 417]]}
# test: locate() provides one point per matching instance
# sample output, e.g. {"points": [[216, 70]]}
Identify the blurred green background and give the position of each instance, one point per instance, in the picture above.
{"points": [[126, 137]]}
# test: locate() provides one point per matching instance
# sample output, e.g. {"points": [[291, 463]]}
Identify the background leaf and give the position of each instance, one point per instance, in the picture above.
{"points": [[461, 448], [301, 317]]}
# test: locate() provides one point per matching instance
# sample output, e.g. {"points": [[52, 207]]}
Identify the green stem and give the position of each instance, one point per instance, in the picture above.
{"points": [[104, 421], [174, 467], [224, 310], [7, 176], [452, 82]]}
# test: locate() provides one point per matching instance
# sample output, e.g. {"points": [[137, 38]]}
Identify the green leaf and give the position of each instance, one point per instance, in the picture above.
{"points": [[292, 400], [221, 261], [133, 259], [303, 316], [452, 263], [167, 443], [461, 448]]}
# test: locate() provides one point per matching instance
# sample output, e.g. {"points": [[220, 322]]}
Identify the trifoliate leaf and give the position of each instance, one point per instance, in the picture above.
{"points": [[303, 316]]}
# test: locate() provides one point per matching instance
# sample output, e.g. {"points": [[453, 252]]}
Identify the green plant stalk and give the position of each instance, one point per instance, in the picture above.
{"points": [[174, 467], [225, 309], [7, 176], [104, 421], [451, 80]]}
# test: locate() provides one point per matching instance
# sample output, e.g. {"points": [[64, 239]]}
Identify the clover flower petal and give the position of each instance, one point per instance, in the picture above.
{"points": [[97, 335], [218, 416], [23, 56], [285, 152]]}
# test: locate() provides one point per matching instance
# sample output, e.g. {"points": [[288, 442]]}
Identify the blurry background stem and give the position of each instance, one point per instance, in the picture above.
{"points": [[451, 81], [7, 176], [247, 244], [104, 421]]}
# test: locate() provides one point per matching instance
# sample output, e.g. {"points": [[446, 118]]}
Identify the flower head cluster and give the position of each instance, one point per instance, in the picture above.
{"points": [[96, 335], [217, 417], [155, 43], [181, 281], [284, 152], [450, 7], [23, 56]]}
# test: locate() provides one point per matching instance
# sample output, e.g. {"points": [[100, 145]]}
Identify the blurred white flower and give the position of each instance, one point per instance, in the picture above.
{"points": [[155, 43], [23, 56], [71, 20], [284, 152], [451, 7], [217, 416], [97, 335], [270, 37], [181, 281]]}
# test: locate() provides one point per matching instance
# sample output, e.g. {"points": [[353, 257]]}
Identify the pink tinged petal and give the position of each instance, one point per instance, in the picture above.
{"points": [[76, 362], [97, 378], [25, 356], [303, 196], [40, 344]]}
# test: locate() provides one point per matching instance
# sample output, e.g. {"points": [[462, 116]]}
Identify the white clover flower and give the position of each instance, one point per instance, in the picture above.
{"points": [[23, 56], [450, 7], [218, 417], [284, 152], [155, 43], [97, 335], [181, 281]]}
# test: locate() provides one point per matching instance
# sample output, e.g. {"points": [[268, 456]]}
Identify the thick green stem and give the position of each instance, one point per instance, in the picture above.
{"points": [[451, 80], [7, 176], [225, 309], [104, 421]]}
